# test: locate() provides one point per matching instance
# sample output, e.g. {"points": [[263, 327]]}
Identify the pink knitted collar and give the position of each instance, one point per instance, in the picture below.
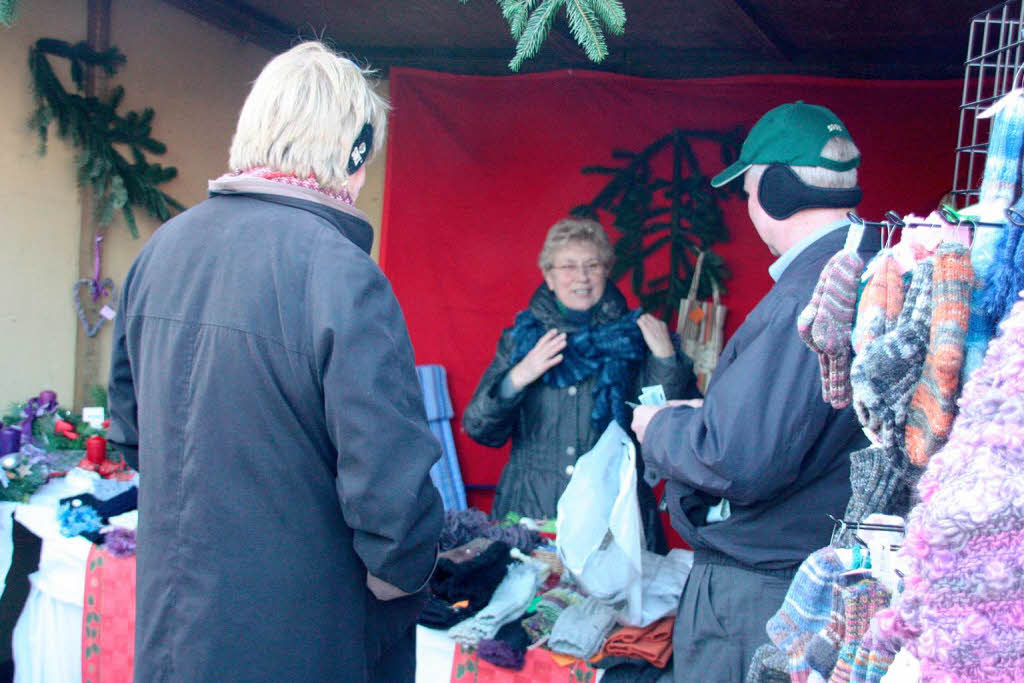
{"points": [[309, 183]]}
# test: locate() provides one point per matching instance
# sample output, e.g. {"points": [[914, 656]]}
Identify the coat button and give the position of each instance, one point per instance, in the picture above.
{"points": [[569, 469], [571, 450], [572, 391]]}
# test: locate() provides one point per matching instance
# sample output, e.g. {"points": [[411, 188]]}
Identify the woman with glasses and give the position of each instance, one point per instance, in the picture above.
{"points": [[565, 369]]}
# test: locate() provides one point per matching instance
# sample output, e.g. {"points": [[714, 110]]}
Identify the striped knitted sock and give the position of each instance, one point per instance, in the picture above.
{"points": [[804, 323], [806, 609], [880, 305], [823, 648], [933, 406], [833, 325], [860, 602], [872, 659]]}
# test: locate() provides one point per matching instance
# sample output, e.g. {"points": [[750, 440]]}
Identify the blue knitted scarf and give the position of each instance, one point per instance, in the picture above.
{"points": [[608, 351]]}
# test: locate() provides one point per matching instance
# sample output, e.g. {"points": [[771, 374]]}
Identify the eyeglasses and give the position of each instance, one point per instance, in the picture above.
{"points": [[592, 268]]}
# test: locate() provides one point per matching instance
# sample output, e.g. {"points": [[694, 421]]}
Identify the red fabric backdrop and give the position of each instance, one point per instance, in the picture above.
{"points": [[478, 168]]}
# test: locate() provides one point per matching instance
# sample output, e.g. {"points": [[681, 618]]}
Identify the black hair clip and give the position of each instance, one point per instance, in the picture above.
{"points": [[361, 148]]}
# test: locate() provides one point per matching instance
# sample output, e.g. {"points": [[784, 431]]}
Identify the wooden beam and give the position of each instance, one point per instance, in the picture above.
{"points": [[248, 23], [87, 349], [772, 42]]}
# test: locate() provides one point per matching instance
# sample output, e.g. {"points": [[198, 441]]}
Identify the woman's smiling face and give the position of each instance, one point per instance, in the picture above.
{"points": [[577, 276]]}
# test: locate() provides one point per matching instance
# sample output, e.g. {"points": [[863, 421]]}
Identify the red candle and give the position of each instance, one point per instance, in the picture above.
{"points": [[96, 449]]}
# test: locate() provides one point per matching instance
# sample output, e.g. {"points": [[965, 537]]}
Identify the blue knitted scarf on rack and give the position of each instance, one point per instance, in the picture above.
{"points": [[607, 351]]}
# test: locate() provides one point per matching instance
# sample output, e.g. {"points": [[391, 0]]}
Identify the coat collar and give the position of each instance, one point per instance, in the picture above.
{"points": [[348, 220]]}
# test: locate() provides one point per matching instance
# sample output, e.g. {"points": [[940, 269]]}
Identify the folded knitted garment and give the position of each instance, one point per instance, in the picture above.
{"points": [[508, 647], [474, 579], [509, 601], [581, 628], [651, 643], [552, 604]]}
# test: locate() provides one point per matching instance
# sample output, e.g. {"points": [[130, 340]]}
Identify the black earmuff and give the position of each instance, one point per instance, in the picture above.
{"points": [[360, 148], [782, 193]]}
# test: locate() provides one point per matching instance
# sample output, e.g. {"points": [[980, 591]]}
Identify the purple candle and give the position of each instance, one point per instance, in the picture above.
{"points": [[10, 440]]}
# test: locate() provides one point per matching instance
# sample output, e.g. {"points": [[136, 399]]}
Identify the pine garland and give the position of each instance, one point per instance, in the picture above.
{"points": [[651, 213], [94, 128], [530, 22]]}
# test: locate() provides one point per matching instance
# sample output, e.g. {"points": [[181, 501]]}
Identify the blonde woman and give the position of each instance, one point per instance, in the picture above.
{"points": [[263, 373]]}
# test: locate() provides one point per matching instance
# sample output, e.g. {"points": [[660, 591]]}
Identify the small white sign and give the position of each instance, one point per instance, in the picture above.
{"points": [[108, 312], [94, 416]]}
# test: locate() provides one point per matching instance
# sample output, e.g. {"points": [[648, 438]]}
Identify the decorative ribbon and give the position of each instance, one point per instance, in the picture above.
{"points": [[44, 404], [98, 288]]}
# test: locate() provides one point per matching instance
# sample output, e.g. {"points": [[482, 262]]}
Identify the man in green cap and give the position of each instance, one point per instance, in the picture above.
{"points": [[755, 471]]}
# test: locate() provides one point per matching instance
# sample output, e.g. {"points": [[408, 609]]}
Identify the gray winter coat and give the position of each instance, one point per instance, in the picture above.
{"points": [[262, 369], [550, 427]]}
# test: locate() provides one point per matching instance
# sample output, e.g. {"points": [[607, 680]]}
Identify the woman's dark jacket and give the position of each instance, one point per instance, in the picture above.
{"points": [[551, 427], [262, 369]]}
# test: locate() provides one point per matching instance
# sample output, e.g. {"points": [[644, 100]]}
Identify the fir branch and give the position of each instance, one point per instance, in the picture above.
{"points": [[530, 24], [94, 127], [537, 28], [8, 12], [516, 13], [584, 28], [611, 13]]}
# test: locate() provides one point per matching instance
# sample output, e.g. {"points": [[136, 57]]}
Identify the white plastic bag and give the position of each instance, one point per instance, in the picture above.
{"points": [[599, 535]]}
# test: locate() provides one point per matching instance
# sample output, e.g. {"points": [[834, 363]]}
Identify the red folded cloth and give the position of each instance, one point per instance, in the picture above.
{"points": [[651, 643]]}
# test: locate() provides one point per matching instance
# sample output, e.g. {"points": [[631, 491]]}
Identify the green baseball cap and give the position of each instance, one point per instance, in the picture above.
{"points": [[793, 134]]}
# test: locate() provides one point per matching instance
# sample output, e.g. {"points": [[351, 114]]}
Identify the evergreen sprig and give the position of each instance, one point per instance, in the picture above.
{"points": [[96, 129], [681, 213], [530, 22], [8, 12]]}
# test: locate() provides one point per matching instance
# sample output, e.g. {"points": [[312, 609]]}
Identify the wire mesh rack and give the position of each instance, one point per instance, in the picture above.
{"points": [[995, 53]]}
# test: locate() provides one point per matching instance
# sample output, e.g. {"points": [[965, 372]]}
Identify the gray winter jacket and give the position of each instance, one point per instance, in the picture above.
{"points": [[550, 427], [262, 369]]}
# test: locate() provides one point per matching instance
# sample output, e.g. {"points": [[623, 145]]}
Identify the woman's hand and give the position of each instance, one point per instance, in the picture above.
{"points": [[545, 354], [656, 336]]}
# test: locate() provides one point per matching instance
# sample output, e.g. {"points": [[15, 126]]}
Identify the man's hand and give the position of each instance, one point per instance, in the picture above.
{"points": [[642, 414], [656, 335], [545, 354]]}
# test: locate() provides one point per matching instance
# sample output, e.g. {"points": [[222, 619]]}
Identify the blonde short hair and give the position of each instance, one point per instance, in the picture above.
{"points": [[574, 229], [837, 149], [303, 113]]}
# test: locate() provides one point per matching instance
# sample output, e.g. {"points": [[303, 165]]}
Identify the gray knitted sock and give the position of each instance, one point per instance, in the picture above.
{"points": [[885, 375], [768, 665], [581, 628]]}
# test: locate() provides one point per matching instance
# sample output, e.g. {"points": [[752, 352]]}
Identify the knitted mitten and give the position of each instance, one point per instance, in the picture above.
{"points": [[552, 604], [806, 609], [833, 324], [885, 374], [860, 602], [508, 647], [880, 304], [823, 648], [933, 405]]}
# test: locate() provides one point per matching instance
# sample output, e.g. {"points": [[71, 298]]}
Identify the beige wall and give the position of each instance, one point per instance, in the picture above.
{"points": [[195, 77]]}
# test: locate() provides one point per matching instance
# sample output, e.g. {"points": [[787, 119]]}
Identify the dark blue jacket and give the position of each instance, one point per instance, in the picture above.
{"points": [[262, 368], [764, 438]]}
